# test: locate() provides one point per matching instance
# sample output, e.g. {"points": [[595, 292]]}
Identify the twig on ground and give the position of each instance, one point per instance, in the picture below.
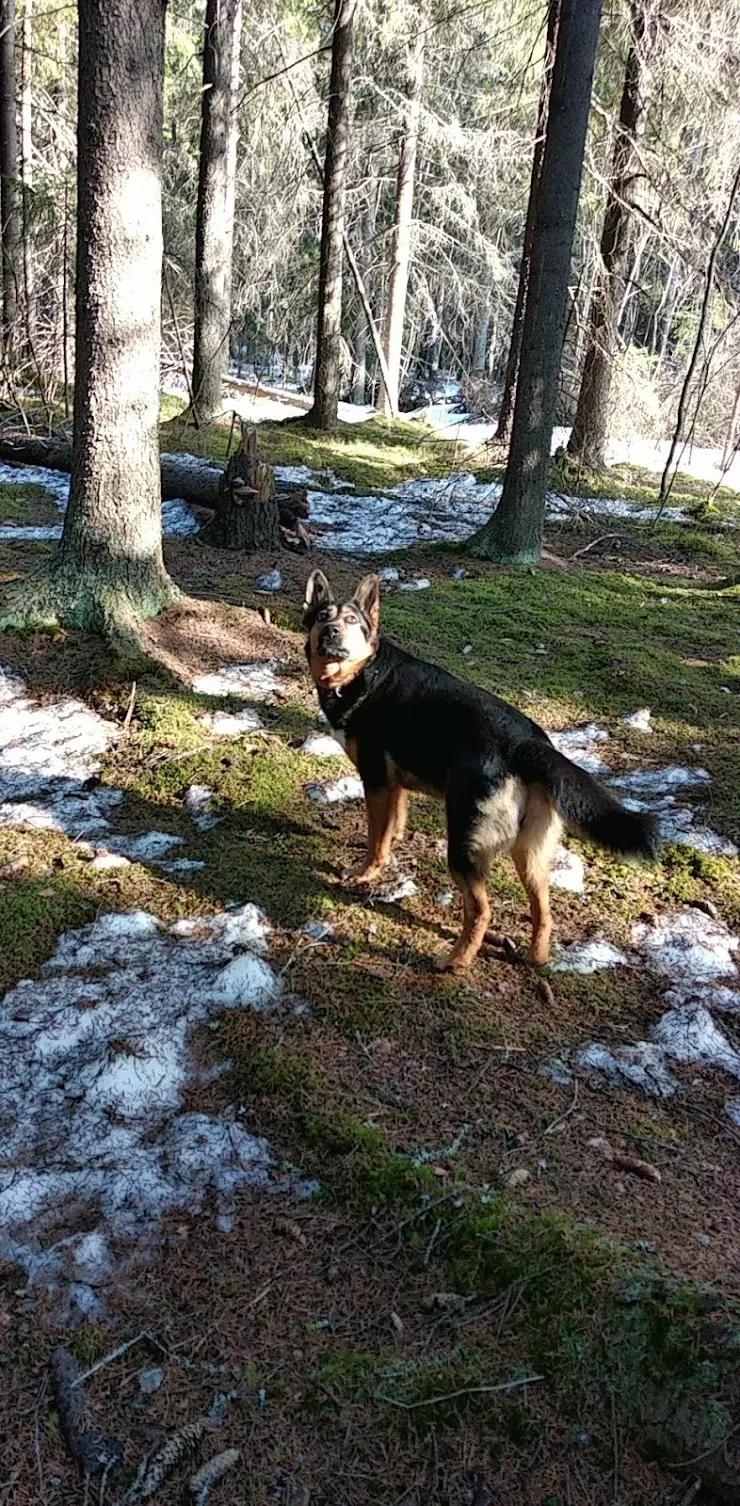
{"points": [[131, 704], [588, 547], [432, 1242], [556, 1123], [433, 1401], [115, 1354], [90, 1449]]}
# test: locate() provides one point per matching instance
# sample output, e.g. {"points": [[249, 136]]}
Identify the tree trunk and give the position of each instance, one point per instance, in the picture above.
{"points": [[323, 414], [359, 380], [731, 441], [109, 573], [401, 255], [246, 510], [590, 429], [10, 201], [214, 230], [480, 344], [503, 428], [514, 533], [27, 170]]}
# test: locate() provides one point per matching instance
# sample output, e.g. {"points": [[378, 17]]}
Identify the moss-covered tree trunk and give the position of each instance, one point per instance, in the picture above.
{"points": [[10, 199], [323, 414], [514, 534], [109, 571], [214, 232], [590, 430]]}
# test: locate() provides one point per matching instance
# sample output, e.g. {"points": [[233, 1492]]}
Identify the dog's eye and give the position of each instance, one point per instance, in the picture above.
{"points": [[323, 614], [350, 617]]}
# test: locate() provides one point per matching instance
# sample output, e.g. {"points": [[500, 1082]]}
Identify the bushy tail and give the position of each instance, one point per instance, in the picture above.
{"points": [[583, 803]]}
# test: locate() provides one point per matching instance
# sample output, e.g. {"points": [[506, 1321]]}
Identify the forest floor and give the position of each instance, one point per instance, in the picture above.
{"points": [[464, 1286]]}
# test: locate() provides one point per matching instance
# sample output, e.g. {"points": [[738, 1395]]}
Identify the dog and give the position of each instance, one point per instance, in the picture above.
{"points": [[409, 725]]}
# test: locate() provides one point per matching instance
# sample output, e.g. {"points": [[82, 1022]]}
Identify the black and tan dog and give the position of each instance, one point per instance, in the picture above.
{"points": [[408, 725]]}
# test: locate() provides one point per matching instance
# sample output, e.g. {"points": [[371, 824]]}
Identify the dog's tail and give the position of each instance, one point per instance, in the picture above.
{"points": [[583, 803]]}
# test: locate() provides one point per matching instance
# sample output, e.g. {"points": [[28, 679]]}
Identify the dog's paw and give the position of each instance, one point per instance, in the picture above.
{"points": [[361, 877]]}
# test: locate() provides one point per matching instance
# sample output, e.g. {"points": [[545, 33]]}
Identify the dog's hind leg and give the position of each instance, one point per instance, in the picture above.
{"points": [[533, 854], [484, 808]]}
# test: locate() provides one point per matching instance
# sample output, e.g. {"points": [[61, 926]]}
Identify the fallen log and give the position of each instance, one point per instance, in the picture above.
{"points": [[186, 476]]}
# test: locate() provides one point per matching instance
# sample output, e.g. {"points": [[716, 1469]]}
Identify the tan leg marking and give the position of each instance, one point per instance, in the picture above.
{"points": [[380, 829], [476, 915], [533, 853]]}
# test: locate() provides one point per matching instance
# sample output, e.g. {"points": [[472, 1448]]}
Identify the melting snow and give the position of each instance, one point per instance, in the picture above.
{"points": [[689, 1034], [640, 1066], [660, 781], [580, 744], [257, 680], [639, 720], [687, 945], [588, 957], [232, 723], [95, 1060], [568, 871], [321, 746], [336, 792]]}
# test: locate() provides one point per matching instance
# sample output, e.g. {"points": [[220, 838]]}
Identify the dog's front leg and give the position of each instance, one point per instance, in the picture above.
{"points": [[382, 813]]}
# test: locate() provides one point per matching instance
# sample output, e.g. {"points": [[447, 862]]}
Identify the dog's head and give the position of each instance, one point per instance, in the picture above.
{"points": [[342, 636]]}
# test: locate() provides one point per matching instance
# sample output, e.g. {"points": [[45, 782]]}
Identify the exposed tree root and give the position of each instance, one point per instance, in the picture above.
{"points": [[57, 596]]}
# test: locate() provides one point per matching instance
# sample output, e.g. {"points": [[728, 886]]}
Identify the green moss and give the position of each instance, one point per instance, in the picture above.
{"points": [[27, 504], [32, 916]]}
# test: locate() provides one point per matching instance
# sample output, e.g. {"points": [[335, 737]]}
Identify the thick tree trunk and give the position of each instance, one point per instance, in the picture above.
{"points": [[109, 573], [214, 232], [10, 199], [590, 429], [323, 415], [511, 376], [401, 254], [247, 509], [359, 379], [514, 533]]}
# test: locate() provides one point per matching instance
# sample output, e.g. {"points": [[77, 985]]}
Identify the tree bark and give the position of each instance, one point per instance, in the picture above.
{"points": [[323, 414], [246, 509], [514, 533], [10, 201], [27, 170], [590, 430], [109, 572], [480, 343], [401, 254], [506, 411], [359, 380], [214, 231]]}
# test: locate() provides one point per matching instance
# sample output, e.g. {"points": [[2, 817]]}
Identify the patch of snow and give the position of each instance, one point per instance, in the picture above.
{"points": [[579, 744], [56, 483], [337, 791], [257, 680], [688, 945], [397, 889], [444, 899], [29, 533], [318, 745], [732, 1110], [178, 519], [415, 585], [725, 1000], [183, 865], [678, 824], [660, 781], [149, 847], [639, 721], [588, 957], [272, 580], [389, 572], [568, 871], [557, 1071], [95, 1060], [640, 1066], [199, 804], [232, 723], [689, 1034]]}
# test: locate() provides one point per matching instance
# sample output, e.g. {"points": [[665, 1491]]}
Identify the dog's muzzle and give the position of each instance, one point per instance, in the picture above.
{"points": [[330, 645]]}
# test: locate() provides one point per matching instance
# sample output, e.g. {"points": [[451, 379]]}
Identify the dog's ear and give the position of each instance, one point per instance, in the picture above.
{"points": [[318, 591], [367, 597]]}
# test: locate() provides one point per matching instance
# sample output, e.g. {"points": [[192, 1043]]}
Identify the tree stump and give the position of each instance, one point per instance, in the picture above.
{"points": [[247, 513]]}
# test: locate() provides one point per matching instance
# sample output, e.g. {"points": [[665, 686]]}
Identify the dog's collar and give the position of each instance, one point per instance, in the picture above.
{"points": [[339, 704]]}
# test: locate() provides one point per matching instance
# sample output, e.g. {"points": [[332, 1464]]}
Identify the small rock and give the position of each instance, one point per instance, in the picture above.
{"points": [[704, 1239], [150, 1381], [519, 1178], [105, 860], [468, 649], [318, 930], [639, 720], [272, 580], [459, 573], [444, 899], [644, 1246], [403, 888], [388, 572]]}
